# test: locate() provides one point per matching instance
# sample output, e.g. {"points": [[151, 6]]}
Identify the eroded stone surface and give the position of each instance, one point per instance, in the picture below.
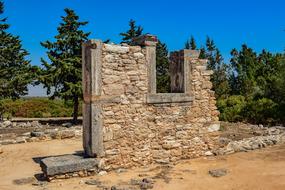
{"points": [[66, 164]]}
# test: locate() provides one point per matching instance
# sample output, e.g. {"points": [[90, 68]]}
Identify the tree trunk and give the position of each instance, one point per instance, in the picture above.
{"points": [[75, 109]]}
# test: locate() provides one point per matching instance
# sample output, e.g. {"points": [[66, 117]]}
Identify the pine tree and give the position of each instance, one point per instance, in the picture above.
{"points": [[134, 31], [162, 68], [191, 44], [219, 79], [15, 69], [202, 54], [211, 53], [63, 76], [245, 65]]}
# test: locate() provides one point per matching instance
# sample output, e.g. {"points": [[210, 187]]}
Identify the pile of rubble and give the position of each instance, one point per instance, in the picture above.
{"points": [[22, 132], [10, 124], [264, 136]]}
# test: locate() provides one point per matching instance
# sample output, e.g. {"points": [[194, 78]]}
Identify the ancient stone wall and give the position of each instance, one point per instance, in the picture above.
{"points": [[126, 123]]}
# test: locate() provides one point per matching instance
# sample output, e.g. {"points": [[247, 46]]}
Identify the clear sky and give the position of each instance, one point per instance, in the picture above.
{"points": [[258, 23]]}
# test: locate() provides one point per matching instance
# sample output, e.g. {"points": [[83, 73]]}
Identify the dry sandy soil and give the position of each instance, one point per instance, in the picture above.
{"points": [[256, 170]]}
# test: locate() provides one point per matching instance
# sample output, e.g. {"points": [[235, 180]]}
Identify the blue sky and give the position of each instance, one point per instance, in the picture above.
{"points": [[258, 23]]}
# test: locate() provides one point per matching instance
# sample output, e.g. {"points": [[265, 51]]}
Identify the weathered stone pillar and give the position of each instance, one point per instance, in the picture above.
{"points": [[92, 82]]}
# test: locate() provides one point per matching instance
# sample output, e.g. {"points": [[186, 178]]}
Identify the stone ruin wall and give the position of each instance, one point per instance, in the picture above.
{"points": [[131, 124]]}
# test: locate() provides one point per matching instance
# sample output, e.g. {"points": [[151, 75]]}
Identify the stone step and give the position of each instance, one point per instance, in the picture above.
{"points": [[68, 165]]}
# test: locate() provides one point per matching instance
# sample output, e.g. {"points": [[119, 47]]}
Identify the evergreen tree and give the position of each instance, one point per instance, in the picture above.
{"points": [[216, 63], [202, 54], [191, 44], [211, 53], [134, 31], [63, 76], [220, 77], [15, 69], [245, 64], [162, 68]]}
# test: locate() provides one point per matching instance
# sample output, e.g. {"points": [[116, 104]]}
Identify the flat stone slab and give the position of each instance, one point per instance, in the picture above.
{"points": [[67, 164]]}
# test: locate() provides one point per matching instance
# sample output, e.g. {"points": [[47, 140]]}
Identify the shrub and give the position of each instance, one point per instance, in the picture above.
{"points": [[261, 111], [38, 107], [231, 108], [237, 108]]}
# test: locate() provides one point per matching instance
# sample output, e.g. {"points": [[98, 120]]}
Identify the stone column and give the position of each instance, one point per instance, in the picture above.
{"points": [[151, 65], [92, 82]]}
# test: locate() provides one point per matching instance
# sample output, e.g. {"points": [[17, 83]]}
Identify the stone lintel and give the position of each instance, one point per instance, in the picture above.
{"points": [[56, 165], [161, 98]]}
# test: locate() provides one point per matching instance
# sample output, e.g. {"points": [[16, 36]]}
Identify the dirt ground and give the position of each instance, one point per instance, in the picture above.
{"points": [[257, 170]]}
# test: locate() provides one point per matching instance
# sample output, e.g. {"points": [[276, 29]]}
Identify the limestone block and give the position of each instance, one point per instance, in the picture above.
{"points": [[170, 144], [112, 152], [109, 58], [116, 48], [135, 49], [113, 89], [214, 127], [66, 164], [138, 55], [207, 73], [110, 79], [201, 67], [129, 61], [176, 152], [133, 72], [181, 134], [160, 154], [67, 134], [109, 113], [207, 85], [107, 134]]}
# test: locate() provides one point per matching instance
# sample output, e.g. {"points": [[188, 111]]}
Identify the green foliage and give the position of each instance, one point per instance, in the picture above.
{"points": [[63, 76], [231, 108], [15, 70], [202, 54], [216, 63], [259, 79], [235, 108], [244, 63], [134, 31], [261, 111], [38, 107], [251, 87], [162, 68], [191, 44]]}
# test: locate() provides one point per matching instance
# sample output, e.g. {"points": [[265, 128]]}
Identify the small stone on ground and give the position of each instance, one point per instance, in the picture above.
{"points": [[218, 172], [102, 173], [93, 182]]}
